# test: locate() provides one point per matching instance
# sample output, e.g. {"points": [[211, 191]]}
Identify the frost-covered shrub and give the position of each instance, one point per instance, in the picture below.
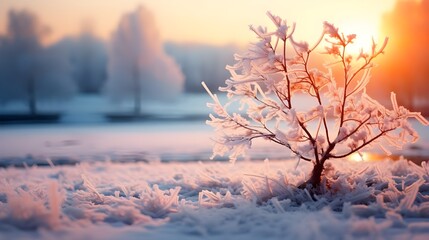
{"points": [[266, 80]]}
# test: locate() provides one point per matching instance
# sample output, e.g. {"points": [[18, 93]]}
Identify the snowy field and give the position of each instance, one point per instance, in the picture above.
{"points": [[214, 200], [154, 180]]}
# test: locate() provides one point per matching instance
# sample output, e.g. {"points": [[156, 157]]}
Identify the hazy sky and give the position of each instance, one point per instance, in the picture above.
{"points": [[204, 21]]}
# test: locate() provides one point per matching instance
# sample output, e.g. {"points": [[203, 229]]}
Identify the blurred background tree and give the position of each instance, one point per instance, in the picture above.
{"points": [[138, 66], [87, 55], [29, 71], [202, 62]]}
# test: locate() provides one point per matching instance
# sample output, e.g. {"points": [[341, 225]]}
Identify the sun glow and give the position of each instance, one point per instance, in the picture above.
{"points": [[359, 157], [365, 34]]}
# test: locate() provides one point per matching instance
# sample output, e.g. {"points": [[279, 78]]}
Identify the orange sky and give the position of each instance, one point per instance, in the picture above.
{"points": [[205, 21]]}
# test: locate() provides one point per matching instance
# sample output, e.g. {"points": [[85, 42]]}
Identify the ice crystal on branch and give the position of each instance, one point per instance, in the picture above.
{"points": [[266, 79]]}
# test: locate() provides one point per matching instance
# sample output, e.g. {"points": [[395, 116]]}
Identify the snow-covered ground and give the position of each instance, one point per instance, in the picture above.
{"points": [[214, 200], [86, 178]]}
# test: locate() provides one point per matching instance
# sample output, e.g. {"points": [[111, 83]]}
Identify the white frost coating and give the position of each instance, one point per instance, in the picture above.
{"points": [[267, 80], [213, 96], [394, 102], [55, 200], [32, 209], [411, 194], [157, 203], [91, 188], [209, 199]]}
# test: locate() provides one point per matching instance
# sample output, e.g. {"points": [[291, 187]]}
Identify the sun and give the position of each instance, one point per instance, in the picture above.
{"points": [[365, 32], [359, 157]]}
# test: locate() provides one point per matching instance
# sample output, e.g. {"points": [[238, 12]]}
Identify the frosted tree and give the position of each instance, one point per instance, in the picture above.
{"points": [[138, 66], [29, 71], [201, 62], [266, 79], [87, 55]]}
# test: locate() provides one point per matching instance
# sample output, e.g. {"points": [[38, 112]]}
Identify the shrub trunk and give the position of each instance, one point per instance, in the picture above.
{"points": [[316, 177]]}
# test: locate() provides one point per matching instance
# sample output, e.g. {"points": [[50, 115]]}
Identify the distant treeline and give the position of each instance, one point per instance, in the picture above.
{"points": [[134, 60], [85, 58], [31, 70]]}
